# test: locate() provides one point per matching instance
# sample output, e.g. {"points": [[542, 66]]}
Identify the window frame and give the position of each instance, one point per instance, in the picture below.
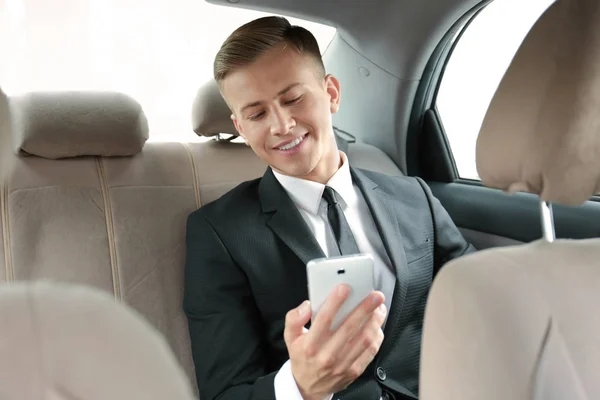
{"points": [[425, 100]]}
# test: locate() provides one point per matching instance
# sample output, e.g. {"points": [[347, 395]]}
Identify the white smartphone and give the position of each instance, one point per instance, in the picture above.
{"points": [[324, 274]]}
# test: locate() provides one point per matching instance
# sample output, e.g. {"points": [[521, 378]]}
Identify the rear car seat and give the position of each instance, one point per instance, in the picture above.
{"points": [[5, 164], [521, 322], [84, 204]]}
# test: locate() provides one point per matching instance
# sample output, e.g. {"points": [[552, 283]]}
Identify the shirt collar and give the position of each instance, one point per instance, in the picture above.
{"points": [[307, 194]]}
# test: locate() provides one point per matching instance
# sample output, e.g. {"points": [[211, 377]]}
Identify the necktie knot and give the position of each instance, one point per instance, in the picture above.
{"points": [[330, 196]]}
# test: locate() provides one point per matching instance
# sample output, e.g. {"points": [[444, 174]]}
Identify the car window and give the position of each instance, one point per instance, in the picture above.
{"points": [[159, 52], [474, 70]]}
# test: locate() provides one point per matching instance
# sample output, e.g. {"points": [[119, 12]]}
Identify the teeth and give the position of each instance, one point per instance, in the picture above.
{"points": [[293, 144]]}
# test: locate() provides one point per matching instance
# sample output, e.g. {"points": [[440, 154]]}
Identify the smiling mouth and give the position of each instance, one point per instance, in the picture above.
{"points": [[292, 144]]}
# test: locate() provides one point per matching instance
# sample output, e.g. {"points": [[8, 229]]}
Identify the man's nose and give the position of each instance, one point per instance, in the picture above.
{"points": [[282, 122]]}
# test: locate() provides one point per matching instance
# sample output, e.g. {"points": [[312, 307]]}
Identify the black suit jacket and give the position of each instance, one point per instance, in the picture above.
{"points": [[246, 268]]}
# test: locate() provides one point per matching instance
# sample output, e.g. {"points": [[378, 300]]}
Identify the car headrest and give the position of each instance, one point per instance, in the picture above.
{"points": [[210, 114], [69, 124], [63, 341], [5, 136], [541, 133]]}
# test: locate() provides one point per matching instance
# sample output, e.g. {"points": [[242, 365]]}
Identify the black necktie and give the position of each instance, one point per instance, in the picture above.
{"points": [[339, 225]]}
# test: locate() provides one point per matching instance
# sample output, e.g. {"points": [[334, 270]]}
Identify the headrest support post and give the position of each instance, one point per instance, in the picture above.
{"points": [[547, 221]]}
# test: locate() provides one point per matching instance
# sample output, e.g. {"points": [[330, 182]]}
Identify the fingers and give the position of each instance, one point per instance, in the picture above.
{"points": [[324, 361], [363, 361], [294, 322], [352, 370], [354, 323], [369, 343], [368, 339], [320, 328]]}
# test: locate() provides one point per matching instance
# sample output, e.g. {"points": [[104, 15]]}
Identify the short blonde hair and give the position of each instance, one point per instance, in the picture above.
{"points": [[250, 41]]}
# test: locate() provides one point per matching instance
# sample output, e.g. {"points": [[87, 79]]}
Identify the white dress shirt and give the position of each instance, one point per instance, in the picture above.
{"points": [[307, 195]]}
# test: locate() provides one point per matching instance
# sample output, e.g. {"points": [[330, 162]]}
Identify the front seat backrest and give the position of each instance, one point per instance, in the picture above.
{"points": [[521, 323], [64, 342]]}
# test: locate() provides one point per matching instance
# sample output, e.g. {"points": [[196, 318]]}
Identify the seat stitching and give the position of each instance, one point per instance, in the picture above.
{"points": [[539, 357], [64, 393], [109, 229], [142, 279], [551, 328], [6, 232], [194, 175]]}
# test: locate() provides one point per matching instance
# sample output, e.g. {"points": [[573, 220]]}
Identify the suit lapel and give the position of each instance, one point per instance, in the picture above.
{"points": [[287, 223], [386, 220], [285, 219]]}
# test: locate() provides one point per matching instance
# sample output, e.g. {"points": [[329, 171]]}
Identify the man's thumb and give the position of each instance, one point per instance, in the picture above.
{"points": [[295, 321]]}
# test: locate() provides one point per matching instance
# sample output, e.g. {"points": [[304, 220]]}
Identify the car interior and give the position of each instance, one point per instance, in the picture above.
{"points": [[92, 207]]}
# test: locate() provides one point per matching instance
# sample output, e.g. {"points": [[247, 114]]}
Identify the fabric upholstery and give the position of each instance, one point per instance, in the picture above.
{"points": [[5, 134], [210, 113], [515, 323], [542, 130], [519, 322], [150, 197], [2, 244], [239, 163], [118, 223], [221, 166], [5, 163], [65, 342], [370, 157], [51, 206], [58, 125]]}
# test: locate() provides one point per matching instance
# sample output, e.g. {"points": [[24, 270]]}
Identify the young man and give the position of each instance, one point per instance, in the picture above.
{"points": [[246, 289]]}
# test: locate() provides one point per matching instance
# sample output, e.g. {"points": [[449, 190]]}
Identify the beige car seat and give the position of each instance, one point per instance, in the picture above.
{"points": [[87, 200], [69, 342], [521, 322], [5, 136]]}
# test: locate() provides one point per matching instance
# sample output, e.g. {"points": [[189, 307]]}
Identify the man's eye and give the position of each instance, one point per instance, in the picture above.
{"points": [[293, 101], [257, 116]]}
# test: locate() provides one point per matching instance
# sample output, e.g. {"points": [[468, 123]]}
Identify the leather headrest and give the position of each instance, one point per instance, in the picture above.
{"points": [[541, 133], [70, 124], [210, 114], [63, 341]]}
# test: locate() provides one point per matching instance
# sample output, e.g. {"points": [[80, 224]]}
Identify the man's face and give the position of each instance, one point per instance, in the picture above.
{"points": [[282, 107]]}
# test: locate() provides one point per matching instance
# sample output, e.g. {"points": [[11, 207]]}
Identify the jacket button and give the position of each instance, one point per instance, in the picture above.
{"points": [[381, 375], [387, 396]]}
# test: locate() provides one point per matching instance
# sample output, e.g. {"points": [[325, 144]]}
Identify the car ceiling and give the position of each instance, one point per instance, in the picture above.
{"points": [[379, 54]]}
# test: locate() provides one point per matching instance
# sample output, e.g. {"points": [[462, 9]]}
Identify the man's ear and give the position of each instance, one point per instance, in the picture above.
{"points": [[332, 86]]}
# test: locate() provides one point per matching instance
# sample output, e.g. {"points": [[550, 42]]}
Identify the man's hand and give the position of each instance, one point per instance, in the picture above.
{"points": [[324, 362]]}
